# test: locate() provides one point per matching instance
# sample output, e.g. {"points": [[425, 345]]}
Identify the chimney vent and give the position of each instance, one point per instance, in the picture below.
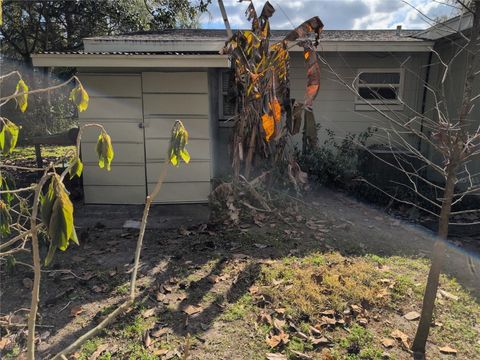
{"points": [[399, 30]]}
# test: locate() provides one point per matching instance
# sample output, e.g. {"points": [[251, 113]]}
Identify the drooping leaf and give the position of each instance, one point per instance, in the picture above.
{"points": [[77, 167], [7, 182], [104, 151], [313, 75], [5, 219], [57, 216], [46, 204], [312, 25], [297, 118], [80, 97], [276, 110], [8, 136], [267, 11], [310, 128], [268, 125], [185, 156], [251, 15], [22, 100], [178, 141]]}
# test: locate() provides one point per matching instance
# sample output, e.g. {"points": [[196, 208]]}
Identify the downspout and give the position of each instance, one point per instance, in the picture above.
{"points": [[424, 98]]}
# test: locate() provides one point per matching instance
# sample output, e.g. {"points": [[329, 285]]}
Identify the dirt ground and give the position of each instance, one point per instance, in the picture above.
{"points": [[186, 262]]}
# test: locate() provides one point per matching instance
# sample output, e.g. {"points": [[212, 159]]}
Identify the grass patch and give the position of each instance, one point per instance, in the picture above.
{"points": [[358, 344], [28, 152], [89, 348], [239, 310], [320, 282]]}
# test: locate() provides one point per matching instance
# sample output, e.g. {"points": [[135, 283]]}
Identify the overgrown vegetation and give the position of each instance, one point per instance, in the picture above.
{"points": [[335, 162]]}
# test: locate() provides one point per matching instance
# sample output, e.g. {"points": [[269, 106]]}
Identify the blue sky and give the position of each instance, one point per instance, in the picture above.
{"points": [[336, 14]]}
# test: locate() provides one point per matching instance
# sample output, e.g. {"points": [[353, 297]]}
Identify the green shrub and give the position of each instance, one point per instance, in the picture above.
{"points": [[334, 163]]}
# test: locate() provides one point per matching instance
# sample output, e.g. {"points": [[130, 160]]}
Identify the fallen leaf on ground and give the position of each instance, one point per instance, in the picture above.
{"points": [[184, 232], [98, 352], [147, 340], [260, 246], [275, 340], [279, 324], [388, 342], [4, 342], [160, 352], [253, 290], [322, 341], [448, 295], [76, 310], [412, 315], [273, 356], [397, 334], [300, 355], [328, 312], [97, 289], [192, 309], [448, 350], [148, 313], [163, 331]]}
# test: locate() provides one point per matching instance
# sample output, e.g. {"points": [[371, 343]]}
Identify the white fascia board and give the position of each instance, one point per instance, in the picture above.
{"points": [[134, 61], [327, 46]]}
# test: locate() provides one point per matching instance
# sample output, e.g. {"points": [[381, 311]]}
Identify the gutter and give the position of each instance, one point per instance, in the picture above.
{"points": [[216, 45], [131, 60]]}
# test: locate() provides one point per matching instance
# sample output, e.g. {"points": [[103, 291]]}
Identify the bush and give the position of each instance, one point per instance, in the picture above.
{"points": [[335, 163]]}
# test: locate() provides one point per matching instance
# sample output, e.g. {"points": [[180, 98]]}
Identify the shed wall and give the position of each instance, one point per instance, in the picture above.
{"points": [[115, 103]]}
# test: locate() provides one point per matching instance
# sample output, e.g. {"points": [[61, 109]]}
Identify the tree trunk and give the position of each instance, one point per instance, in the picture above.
{"points": [[438, 256]]}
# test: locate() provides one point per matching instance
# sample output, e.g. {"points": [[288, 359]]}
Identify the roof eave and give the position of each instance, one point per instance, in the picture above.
{"points": [[133, 60], [214, 45]]}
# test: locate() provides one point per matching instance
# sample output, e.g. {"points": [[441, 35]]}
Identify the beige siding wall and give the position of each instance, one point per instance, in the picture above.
{"points": [[169, 96], [335, 108], [116, 103]]}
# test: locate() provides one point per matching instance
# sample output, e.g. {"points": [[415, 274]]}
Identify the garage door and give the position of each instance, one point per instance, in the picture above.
{"points": [[168, 96], [116, 103]]}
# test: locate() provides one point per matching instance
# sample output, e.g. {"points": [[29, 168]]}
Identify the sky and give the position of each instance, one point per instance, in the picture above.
{"points": [[335, 14]]}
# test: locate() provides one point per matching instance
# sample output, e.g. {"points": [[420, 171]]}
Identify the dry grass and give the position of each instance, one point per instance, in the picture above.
{"points": [[324, 281]]}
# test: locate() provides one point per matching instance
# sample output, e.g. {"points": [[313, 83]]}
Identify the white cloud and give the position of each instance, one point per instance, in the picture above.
{"points": [[336, 14]]}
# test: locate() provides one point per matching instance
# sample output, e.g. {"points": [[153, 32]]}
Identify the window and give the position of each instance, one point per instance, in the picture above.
{"points": [[228, 95], [382, 86]]}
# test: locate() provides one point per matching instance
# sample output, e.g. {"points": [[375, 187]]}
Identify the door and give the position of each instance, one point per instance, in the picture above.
{"points": [[168, 96], [116, 103]]}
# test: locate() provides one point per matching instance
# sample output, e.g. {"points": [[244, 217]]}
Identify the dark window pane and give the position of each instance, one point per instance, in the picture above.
{"points": [[228, 80], [378, 93], [379, 78], [229, 102]]}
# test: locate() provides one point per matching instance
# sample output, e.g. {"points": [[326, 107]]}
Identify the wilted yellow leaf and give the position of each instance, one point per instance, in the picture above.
{"points": [[22, 100], [8, 136], [80, 97], [178, 141], [105, 151]]}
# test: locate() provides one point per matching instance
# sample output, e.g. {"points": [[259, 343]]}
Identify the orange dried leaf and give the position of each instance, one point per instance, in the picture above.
{"points": [[268, 125], [76, 310], [276, 110]]}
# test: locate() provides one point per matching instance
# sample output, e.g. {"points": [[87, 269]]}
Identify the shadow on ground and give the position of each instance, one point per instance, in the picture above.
{"points": [[179, 269]]}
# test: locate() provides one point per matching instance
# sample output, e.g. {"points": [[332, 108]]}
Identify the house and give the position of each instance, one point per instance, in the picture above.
{"points": [[139, 84]]}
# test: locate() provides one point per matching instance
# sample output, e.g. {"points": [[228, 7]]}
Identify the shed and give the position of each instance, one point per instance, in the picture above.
{"points": [[139, 84]]}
